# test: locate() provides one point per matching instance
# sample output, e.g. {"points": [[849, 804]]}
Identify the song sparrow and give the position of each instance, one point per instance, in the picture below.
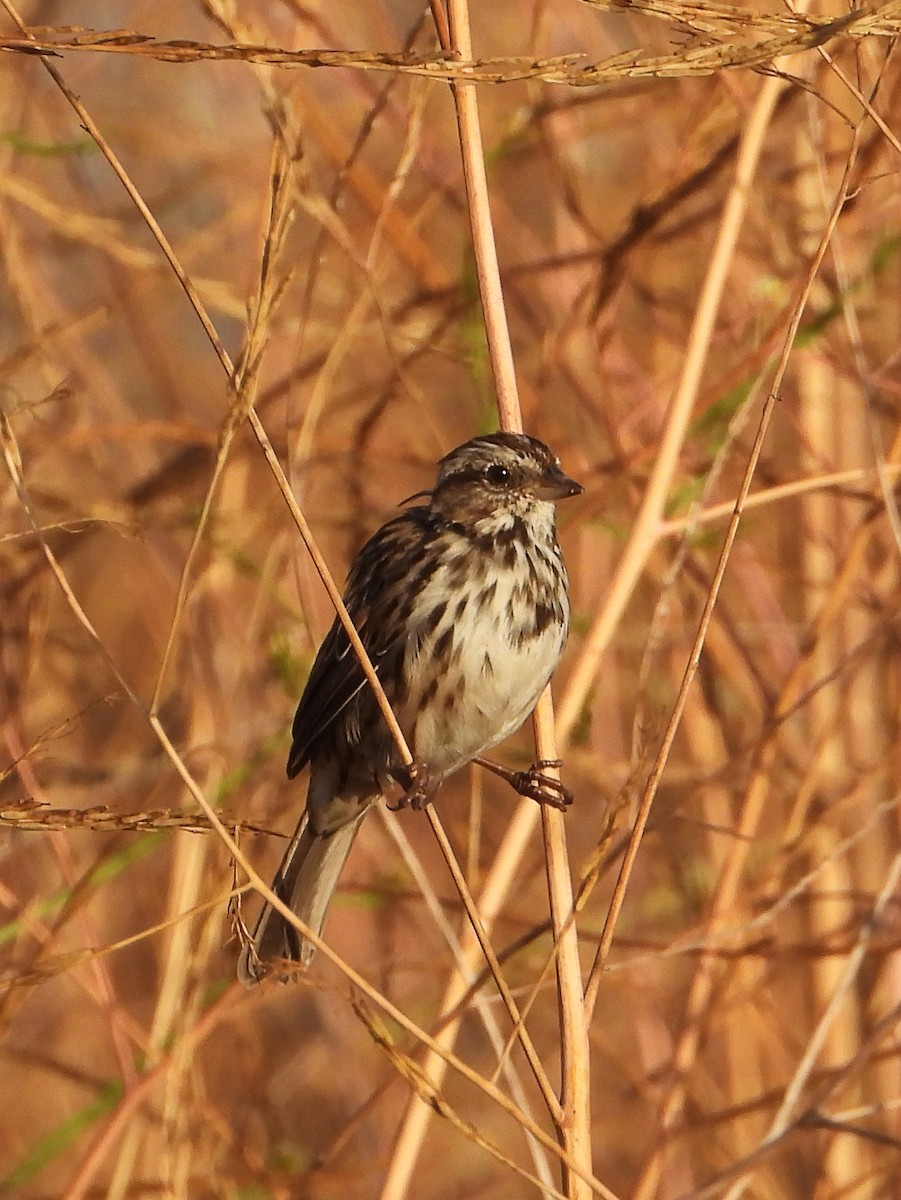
{"points": [[462, 606]]}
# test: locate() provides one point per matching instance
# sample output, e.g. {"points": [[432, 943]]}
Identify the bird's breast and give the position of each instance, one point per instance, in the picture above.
{"points": [[483, 643]]}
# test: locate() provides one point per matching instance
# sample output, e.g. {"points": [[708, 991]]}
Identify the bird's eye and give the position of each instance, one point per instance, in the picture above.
{"points": [[497, 475]]}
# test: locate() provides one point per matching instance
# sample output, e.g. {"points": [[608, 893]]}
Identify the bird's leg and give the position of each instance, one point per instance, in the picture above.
{"points": [[416, 780], [546, 789]]}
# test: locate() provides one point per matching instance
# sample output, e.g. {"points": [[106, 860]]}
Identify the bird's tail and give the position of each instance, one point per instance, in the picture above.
{"points": [[306, 881]]}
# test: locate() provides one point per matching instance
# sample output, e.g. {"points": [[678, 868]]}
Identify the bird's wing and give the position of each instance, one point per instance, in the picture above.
{"points": [[377, 598]]}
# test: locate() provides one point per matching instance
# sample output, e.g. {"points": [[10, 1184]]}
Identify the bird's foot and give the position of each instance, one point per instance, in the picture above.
{"points": [[545, 789], [416, 780]]}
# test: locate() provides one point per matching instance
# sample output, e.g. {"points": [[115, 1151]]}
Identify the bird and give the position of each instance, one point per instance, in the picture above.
{"points": [[462, 604]]}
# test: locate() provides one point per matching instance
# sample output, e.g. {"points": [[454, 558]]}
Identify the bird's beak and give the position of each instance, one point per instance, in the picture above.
{"points": [[555, 485]]}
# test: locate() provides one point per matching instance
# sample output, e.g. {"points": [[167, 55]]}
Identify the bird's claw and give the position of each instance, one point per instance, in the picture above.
{"points": [[545, 789], [416, 781]]}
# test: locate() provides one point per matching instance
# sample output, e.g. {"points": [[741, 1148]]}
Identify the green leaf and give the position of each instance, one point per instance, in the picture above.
{"points": [[54, 1143], [25, 145], [110, 868]]}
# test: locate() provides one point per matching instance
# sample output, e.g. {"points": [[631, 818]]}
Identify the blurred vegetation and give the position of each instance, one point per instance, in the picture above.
{"points": [[755, 971]]}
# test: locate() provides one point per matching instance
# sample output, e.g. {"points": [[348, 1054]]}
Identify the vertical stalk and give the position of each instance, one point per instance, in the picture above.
{"points": [[574, 1129]]}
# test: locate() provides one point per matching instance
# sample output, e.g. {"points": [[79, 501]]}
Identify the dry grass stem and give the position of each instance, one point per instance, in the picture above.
{"points": [[716, 24]]}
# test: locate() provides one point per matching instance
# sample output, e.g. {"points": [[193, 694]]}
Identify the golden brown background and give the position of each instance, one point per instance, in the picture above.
{"points": [[755, 971]]}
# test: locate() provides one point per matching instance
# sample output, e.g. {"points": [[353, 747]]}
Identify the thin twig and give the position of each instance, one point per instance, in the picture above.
{"points": [[467, 989], [475, 921], [703, 982], [453, 31], [645, 531], [253, 419]]}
